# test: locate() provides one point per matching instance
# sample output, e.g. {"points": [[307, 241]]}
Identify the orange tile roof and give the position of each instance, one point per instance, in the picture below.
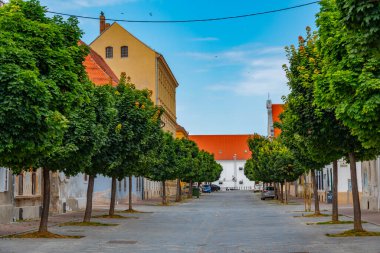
{"points": [[277, 109], [224, 147], [97, 69]]}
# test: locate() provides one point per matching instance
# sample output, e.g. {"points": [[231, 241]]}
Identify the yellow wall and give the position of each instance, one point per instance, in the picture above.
{"points": [[180, 135], [141, 61], [145, 67]]}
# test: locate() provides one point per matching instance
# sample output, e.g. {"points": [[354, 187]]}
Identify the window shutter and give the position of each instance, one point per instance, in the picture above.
{"points": [[2, 179], [6, 180]]}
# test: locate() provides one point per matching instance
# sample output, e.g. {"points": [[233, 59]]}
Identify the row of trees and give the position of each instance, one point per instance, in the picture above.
{"points": [[271, 163], [52, 116], [333, 109]]}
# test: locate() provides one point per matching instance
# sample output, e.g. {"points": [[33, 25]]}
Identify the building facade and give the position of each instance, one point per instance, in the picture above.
{"points": [[146, 68], [371, 185], [324, 180], [230, 151], [6, 196], [20, 195]]}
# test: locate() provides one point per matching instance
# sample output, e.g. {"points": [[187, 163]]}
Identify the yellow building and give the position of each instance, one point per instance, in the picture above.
{"points": [[181, 133], [147, 68]]}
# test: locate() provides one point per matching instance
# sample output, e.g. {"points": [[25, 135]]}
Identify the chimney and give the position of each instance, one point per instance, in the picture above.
{"points": [[102, 20]]}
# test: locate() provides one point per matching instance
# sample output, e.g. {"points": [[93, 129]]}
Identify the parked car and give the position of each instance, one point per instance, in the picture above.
{"points": [[258, 188], [268, 193], [215, 188], [206, 188]]}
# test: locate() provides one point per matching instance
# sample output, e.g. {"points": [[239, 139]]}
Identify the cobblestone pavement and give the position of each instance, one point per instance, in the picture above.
{"points": [[224, 222]]}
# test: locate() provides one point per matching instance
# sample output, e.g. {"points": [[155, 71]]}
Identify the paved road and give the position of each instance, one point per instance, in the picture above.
{"points": [[223, 222]]}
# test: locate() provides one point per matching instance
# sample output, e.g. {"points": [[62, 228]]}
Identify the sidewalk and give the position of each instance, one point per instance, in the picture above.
{"points": [[346, 210], [56, 219], [32, 225]]}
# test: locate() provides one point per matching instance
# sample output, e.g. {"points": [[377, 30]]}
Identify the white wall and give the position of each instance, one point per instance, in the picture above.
{"points": [[228, 172], [344, 175]]}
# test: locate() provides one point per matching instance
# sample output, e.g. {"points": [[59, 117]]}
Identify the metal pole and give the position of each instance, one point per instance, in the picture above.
{"points": [[235, 172]]}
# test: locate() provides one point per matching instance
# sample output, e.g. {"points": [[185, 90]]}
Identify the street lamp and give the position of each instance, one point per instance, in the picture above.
{"points": [[235, 172]]}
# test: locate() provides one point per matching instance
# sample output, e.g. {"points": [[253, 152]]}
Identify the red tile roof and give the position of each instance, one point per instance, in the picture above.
{"points": [[97, 69], [224, 147], [277, 109]]}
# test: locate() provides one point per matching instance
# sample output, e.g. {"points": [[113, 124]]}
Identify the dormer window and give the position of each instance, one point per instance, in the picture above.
{"points": [[109, 52], [124, 51]]}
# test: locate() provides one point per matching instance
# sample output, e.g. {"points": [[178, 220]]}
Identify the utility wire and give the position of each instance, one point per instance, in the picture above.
{"points": [[189, 20]]}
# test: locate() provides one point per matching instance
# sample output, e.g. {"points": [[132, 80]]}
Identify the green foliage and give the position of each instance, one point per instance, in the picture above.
{"points": [[271, 161], [136, 132], [349, 82], [313, 134], [164, 166], [41, 83], [106, 113], [186, 154], [362, 17], [208, 170]]}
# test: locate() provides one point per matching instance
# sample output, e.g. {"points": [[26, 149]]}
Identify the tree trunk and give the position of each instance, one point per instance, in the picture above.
{"points": [[315, 192], [286, 192], [130, 208], [90, 191], [178, 194], [335, 216], [296, 189], [113, 197], [282, 192], [163, 193], [45, 202], [303, 182], [180, 191], [355, 194], [190, 193], [275, 190]]}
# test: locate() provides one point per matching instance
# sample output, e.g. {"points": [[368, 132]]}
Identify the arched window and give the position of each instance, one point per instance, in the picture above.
{"points": [[109, 52], [124, 51]]}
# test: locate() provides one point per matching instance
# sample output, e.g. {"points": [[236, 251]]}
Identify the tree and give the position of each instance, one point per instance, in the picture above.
{"points": [[208, 170], [186, 152], [349, 86], [163, 168], [103, 103], [188, 162], [47, 69], [137, 131], [271, 162], [351, 65], [322, 134]]}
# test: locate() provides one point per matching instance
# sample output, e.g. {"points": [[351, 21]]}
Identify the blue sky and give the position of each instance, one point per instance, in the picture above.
{"points": [[225, 69]]}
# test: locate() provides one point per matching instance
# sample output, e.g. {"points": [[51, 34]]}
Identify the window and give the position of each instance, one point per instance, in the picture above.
{"points": [[124, 51], [119, 185], [85, 177], [125, 184], [109, 52], [20, 184], [34, 183], [137, 184], [4, 174]]}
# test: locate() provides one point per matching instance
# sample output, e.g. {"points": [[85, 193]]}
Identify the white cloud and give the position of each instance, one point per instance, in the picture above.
{"points": [[261, 72]]}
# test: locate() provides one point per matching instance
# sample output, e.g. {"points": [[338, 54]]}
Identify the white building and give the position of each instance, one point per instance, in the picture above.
{"points": [[324, 182], [230, 151]]}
